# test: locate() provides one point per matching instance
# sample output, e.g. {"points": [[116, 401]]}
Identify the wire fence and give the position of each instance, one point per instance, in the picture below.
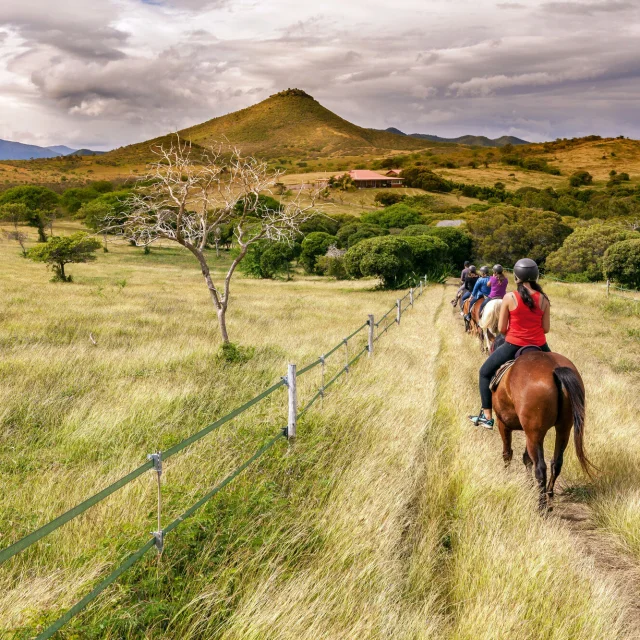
{"points": [[155, 460]]}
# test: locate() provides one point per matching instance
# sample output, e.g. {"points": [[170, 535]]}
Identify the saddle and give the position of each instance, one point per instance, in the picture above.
{"points": [[499, 374]]}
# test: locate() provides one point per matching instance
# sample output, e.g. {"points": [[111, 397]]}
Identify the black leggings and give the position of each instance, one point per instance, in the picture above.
{"points": [[501, 355]]}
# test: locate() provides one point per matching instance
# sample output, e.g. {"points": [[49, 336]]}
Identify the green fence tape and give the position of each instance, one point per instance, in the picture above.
{"points": [[218, 423], [97, 590], [48, 528], [308, 367], [189, 512]]}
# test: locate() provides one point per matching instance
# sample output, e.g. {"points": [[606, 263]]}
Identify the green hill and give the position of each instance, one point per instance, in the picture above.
{"points": [[472, 141], [289, 123]]}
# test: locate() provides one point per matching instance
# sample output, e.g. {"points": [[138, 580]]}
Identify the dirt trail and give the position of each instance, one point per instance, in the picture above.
{"points": [[608, 560]]}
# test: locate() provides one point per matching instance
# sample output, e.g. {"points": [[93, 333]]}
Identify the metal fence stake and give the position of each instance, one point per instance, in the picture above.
{"points": [[608, 285], [420, 286], [322, 371], [371, 328], [293, 402], [158, 534], [398, 311], [346, 355], [411, 296]]}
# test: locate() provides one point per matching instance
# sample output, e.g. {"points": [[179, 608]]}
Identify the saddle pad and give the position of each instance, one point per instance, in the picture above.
{"points": [[495, 381]]}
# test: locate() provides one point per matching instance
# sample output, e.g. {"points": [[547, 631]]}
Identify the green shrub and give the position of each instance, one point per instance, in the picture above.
{"points": [[351, 234], [459, 243], [320, 223], [580, 178], [506, 234], [397, 261], [388, 258], [621, 263], [429, 254], [268, 260], [58, 252], [313, 246], [396, 216], [423, 178], [332, 265], [387, 198], [581, 253], [416, 230]]}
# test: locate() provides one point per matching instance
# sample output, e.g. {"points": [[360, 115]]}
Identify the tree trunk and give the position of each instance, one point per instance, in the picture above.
{"points": [[42, 236], [63, 277], [222, 321]]}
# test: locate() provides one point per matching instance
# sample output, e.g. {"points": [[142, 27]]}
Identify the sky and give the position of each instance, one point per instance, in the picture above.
{"points": [[105, 73]]}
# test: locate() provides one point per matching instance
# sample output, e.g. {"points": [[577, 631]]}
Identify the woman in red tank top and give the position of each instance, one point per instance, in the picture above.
{"points": [[524, 320]]}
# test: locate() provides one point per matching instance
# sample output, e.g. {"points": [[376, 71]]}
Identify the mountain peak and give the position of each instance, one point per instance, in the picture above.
{"points": [[291, 92]]}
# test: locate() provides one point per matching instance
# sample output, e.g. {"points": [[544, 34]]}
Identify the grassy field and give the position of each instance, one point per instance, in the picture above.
{"points": [[390, 517]]}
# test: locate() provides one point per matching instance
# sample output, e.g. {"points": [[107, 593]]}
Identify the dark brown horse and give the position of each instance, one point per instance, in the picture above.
{"points": [[540, 391], [473, 326]]}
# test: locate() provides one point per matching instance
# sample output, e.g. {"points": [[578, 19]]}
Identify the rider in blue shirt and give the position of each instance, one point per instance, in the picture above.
{"points": [[481, 289]]}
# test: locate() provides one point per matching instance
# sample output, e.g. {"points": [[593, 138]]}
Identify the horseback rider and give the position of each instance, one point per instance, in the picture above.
{"points": [[463, 275], [481, 289], [469, 283], [524, 320], [498, 282]]}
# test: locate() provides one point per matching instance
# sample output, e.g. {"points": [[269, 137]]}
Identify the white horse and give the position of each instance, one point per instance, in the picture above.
{"points": [[489, 321]]}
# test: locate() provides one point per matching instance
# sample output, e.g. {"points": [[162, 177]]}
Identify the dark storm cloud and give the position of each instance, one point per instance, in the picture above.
{"points": [[130, 70]]}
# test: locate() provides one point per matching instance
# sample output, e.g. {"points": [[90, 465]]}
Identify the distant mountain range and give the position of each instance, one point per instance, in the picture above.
{"points": [[478, 141], [20, 151]]}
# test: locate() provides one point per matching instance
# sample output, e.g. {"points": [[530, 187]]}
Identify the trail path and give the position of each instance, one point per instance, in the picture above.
{"points": [[608, 560], [618, 568]]}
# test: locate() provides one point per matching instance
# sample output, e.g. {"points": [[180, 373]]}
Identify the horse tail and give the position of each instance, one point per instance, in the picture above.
{"points": [[569, 382]]}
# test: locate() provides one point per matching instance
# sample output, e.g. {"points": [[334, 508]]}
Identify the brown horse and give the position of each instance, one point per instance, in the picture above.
{"points": [[540, 391], [473, 326]]}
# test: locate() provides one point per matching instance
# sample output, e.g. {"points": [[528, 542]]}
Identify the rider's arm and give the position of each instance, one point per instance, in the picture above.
{"points": [[503, 320], [546, 317]]}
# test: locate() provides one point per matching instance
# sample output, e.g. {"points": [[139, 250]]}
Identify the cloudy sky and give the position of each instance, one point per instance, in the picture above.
{"points": [[103, 73]]}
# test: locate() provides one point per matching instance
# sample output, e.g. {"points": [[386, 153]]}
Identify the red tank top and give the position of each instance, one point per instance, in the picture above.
{"points": [[525, 325]]}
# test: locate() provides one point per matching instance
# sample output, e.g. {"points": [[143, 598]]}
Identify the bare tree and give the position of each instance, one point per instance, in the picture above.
{"points": [[186, 196]]}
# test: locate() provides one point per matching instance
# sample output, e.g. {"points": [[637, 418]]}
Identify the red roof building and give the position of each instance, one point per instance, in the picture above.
{"points": [[365, 179], [393, 173]]}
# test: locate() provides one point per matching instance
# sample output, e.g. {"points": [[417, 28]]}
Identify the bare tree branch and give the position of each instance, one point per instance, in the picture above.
{"points": [[187, 194]]}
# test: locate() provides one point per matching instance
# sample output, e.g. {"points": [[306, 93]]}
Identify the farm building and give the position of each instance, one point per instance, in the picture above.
{"points": [[364, 179], [393, 173]]}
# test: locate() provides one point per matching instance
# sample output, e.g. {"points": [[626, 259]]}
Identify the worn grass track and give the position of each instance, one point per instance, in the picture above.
{"points": [[390, 517]]}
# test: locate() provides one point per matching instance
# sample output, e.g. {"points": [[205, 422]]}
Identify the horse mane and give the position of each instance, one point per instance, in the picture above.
{"points": [[490, 316]]}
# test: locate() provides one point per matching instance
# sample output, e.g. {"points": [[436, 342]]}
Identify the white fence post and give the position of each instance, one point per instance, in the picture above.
{"points": [[293, 402], [608, 285], [420, 286], [398, 311], [411, 296], [371, 327]]}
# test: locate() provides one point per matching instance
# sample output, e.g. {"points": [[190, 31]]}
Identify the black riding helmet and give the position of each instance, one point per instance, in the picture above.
{"points": [[466, 263], [484, 270], [472, 268], [497, 268], [526, 270]]}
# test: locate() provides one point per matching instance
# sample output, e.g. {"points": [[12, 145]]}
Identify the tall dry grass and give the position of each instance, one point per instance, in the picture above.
{"points": [[389, 517]]}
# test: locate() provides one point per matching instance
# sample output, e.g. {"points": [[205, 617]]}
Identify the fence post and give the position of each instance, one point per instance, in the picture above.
{"points": [[398, 311], [608, 285], [293, 402], [420, 286], [371, 327], [411, 296]]}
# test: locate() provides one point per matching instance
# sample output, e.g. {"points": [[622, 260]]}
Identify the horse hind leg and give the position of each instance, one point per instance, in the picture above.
{"points": [[505, 434], [562, 440], [535, 451]]}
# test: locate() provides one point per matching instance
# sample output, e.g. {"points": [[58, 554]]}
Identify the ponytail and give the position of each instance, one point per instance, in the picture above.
{"points": [[526, 296]]}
